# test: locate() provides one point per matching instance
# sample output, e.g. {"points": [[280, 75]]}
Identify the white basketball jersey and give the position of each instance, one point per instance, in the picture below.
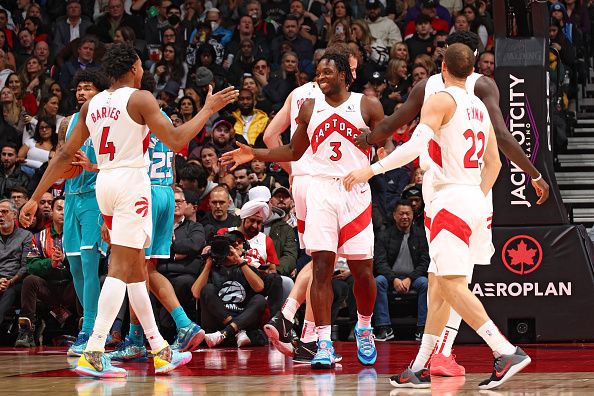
{"points": [[300, 94], [118, 140], [332, 132], [436, 84], [457, 150]]}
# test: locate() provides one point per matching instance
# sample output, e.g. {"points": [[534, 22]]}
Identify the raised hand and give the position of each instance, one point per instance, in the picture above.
{"points": [[237, 157], [357, 177], [221, 99], [28, 212]]}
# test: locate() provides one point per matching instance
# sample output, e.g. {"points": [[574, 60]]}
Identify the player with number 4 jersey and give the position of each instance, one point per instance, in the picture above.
{"points": [[117, 121]]}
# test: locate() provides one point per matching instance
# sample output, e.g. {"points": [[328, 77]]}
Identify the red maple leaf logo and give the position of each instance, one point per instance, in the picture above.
{"points": [[526, 256], [521, 255]]}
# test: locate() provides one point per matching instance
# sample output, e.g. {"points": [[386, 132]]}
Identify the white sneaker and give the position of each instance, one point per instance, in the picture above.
{"points": [[242, 339], [214, 339]]}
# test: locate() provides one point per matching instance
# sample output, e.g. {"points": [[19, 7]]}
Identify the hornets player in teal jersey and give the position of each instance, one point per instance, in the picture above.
{"points": [[82, 217], [189, 334]]}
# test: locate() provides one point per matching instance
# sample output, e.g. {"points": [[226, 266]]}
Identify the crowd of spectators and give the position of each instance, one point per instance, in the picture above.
{"points": [[265, 48]]}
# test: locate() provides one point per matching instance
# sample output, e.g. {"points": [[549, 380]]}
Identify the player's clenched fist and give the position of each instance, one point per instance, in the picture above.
{"points": [[28, 212]]}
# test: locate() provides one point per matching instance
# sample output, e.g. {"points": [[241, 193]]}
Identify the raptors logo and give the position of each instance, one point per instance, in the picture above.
{"points": [[521, 254], [142, 206]]}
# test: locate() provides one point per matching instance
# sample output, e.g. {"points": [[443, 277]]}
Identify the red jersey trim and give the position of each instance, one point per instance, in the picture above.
{"points": [[353, 228], [448, 221]]}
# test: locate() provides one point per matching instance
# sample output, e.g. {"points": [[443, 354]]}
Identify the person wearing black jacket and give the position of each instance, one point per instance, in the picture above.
{"points": [[400, 266], [183, 265]]}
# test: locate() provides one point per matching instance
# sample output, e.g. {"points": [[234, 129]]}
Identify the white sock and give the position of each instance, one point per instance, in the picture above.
{"points": [[496, 341], [363, 322], [425, 351], [324, 332], [110, 301], [290, 308], [309, 332], [446, 341], [141, 303]]}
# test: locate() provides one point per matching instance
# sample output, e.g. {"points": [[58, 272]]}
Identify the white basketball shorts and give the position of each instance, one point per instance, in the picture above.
{"points": [[124, 198], [459, 232], [337, 220]]}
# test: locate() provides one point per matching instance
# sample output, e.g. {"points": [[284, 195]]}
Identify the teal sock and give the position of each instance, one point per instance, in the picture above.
{"points": [[180, 318], [136, 334], [90, 266]]}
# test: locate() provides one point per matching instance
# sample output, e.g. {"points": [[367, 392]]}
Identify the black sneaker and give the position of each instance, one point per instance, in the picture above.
{"points": [[384, 333], [306, 351], [278, 330], [505, 367], [410, 379], [25, 339]]}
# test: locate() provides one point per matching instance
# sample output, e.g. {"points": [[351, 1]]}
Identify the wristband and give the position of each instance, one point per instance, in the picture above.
{"points": [[242, 264], [538, 178]]}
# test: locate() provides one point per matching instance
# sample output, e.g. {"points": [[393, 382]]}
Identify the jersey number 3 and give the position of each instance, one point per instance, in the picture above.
{"points": [[106, 147], [336, 153], [469, 161]]}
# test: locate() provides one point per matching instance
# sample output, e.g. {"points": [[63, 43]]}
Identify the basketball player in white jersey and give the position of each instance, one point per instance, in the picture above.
{"points": [[116, 121], [279, 328], [443, 362], [337, 222], [461, 178]]}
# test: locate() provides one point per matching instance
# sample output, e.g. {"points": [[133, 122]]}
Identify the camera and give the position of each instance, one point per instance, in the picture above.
{"points": [[220, 246]]}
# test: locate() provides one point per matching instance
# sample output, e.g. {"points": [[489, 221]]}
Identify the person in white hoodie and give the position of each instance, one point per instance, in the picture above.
{"points": [[382, 28]]}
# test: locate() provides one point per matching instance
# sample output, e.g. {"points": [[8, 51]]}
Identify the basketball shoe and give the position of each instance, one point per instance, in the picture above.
{"points": [[278, 330], [98, 364], [505, 367], [79, 345], [188, 338], [446, 366], [306, 351], [366, 352], [127, 351], [324, 357], [25, 339], [166, 359], [410, 379], [242, 339]]}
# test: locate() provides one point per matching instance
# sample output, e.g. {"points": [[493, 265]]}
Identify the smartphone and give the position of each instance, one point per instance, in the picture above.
{"points": [[336, 272], [441, 44]]}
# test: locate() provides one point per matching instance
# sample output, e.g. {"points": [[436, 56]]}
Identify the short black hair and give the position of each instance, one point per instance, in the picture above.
{"points": [[95, 76], [193, 172], [248, 169], [10, 144], [118, 60], [402, 202], [342, 65], [56, 199], [470, 39]]}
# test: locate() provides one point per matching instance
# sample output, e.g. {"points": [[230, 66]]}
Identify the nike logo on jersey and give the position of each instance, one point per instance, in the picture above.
{"points": [[319, 111]]}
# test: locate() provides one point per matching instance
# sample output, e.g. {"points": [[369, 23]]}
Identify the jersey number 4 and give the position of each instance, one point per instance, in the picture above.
{"points": [[472, 157], [106, 147]]}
